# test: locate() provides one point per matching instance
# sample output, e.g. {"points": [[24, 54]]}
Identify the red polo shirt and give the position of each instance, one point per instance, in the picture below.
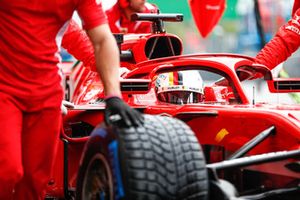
{"points": [[285, 42]]}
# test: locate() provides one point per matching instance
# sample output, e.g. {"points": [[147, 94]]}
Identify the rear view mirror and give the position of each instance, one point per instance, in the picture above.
{"points": [[135, 86], [284, 85]]}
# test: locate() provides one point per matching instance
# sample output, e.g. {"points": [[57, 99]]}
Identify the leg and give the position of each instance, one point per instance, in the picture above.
{"points": [[40, 138], [11, 169]]}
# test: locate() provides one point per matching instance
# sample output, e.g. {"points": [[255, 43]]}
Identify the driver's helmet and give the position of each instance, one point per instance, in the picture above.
{"points": [[180, 87]]}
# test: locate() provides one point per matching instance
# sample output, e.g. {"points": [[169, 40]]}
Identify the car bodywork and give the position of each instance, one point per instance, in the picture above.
{"points": [[224, 122]]}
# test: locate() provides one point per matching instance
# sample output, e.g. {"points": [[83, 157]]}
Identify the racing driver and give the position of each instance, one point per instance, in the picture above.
{"points": [[31, 92], [285, 42]]}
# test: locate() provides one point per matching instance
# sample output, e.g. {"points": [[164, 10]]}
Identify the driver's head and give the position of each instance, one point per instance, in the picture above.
{"points": [[180, 87], [133, 5]]}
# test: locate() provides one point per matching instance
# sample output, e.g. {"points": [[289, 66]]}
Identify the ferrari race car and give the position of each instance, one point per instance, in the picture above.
{"points": [[204, 136]]}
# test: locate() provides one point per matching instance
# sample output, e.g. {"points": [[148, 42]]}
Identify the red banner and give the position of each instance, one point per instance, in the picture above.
{"points": [[206, 14]]}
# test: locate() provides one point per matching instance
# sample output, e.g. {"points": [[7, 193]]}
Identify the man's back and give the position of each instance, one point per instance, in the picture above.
{"points": [[28, 57], [35, 24]]}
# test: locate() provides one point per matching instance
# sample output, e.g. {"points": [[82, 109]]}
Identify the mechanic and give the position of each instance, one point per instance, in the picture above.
{"points": [[31, 92], [76, 42], [119, 16], [285, 42]]}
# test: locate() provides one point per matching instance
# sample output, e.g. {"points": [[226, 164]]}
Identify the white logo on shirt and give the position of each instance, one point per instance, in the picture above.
{"points": [[293, 29], [296, 20]]}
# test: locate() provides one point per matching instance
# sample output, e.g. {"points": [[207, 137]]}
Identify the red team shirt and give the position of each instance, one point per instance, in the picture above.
{"points": [[29, 56], [118, 21], [285, 42]]}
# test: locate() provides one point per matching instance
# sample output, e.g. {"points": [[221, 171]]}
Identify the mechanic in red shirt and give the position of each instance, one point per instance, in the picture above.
{"points": [[30, 87], [285, 42], [119, 16], [76, 42]]}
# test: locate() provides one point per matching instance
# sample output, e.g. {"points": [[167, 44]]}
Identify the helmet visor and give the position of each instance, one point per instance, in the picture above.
{"points": [[180, 97]]}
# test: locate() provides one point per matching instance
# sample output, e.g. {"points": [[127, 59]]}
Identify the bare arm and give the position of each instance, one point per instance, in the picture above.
{"points": [[107, 58]]}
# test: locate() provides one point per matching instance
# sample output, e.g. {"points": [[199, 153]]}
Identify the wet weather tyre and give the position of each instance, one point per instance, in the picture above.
{"points": [[160, 160]]}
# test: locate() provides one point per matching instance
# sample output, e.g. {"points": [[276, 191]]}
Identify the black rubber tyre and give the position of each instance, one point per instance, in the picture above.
{"points": [[161, 160]]}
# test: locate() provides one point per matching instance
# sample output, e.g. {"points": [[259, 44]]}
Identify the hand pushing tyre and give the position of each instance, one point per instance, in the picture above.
{"points": [[160, 160]]}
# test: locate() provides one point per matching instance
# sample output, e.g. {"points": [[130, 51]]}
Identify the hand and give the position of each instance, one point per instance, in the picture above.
{"points": [[65, 105], [118, 113]]}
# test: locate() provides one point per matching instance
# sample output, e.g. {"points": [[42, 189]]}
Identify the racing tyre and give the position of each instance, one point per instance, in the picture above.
{"points": [[160, 160]]}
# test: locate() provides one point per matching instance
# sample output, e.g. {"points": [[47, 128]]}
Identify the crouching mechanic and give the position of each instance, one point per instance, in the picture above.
{"points": [[31, 92], [285, 42]]}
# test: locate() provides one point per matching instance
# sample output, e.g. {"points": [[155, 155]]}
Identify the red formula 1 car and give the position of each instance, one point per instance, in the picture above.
{"points": [[197, 111]]}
